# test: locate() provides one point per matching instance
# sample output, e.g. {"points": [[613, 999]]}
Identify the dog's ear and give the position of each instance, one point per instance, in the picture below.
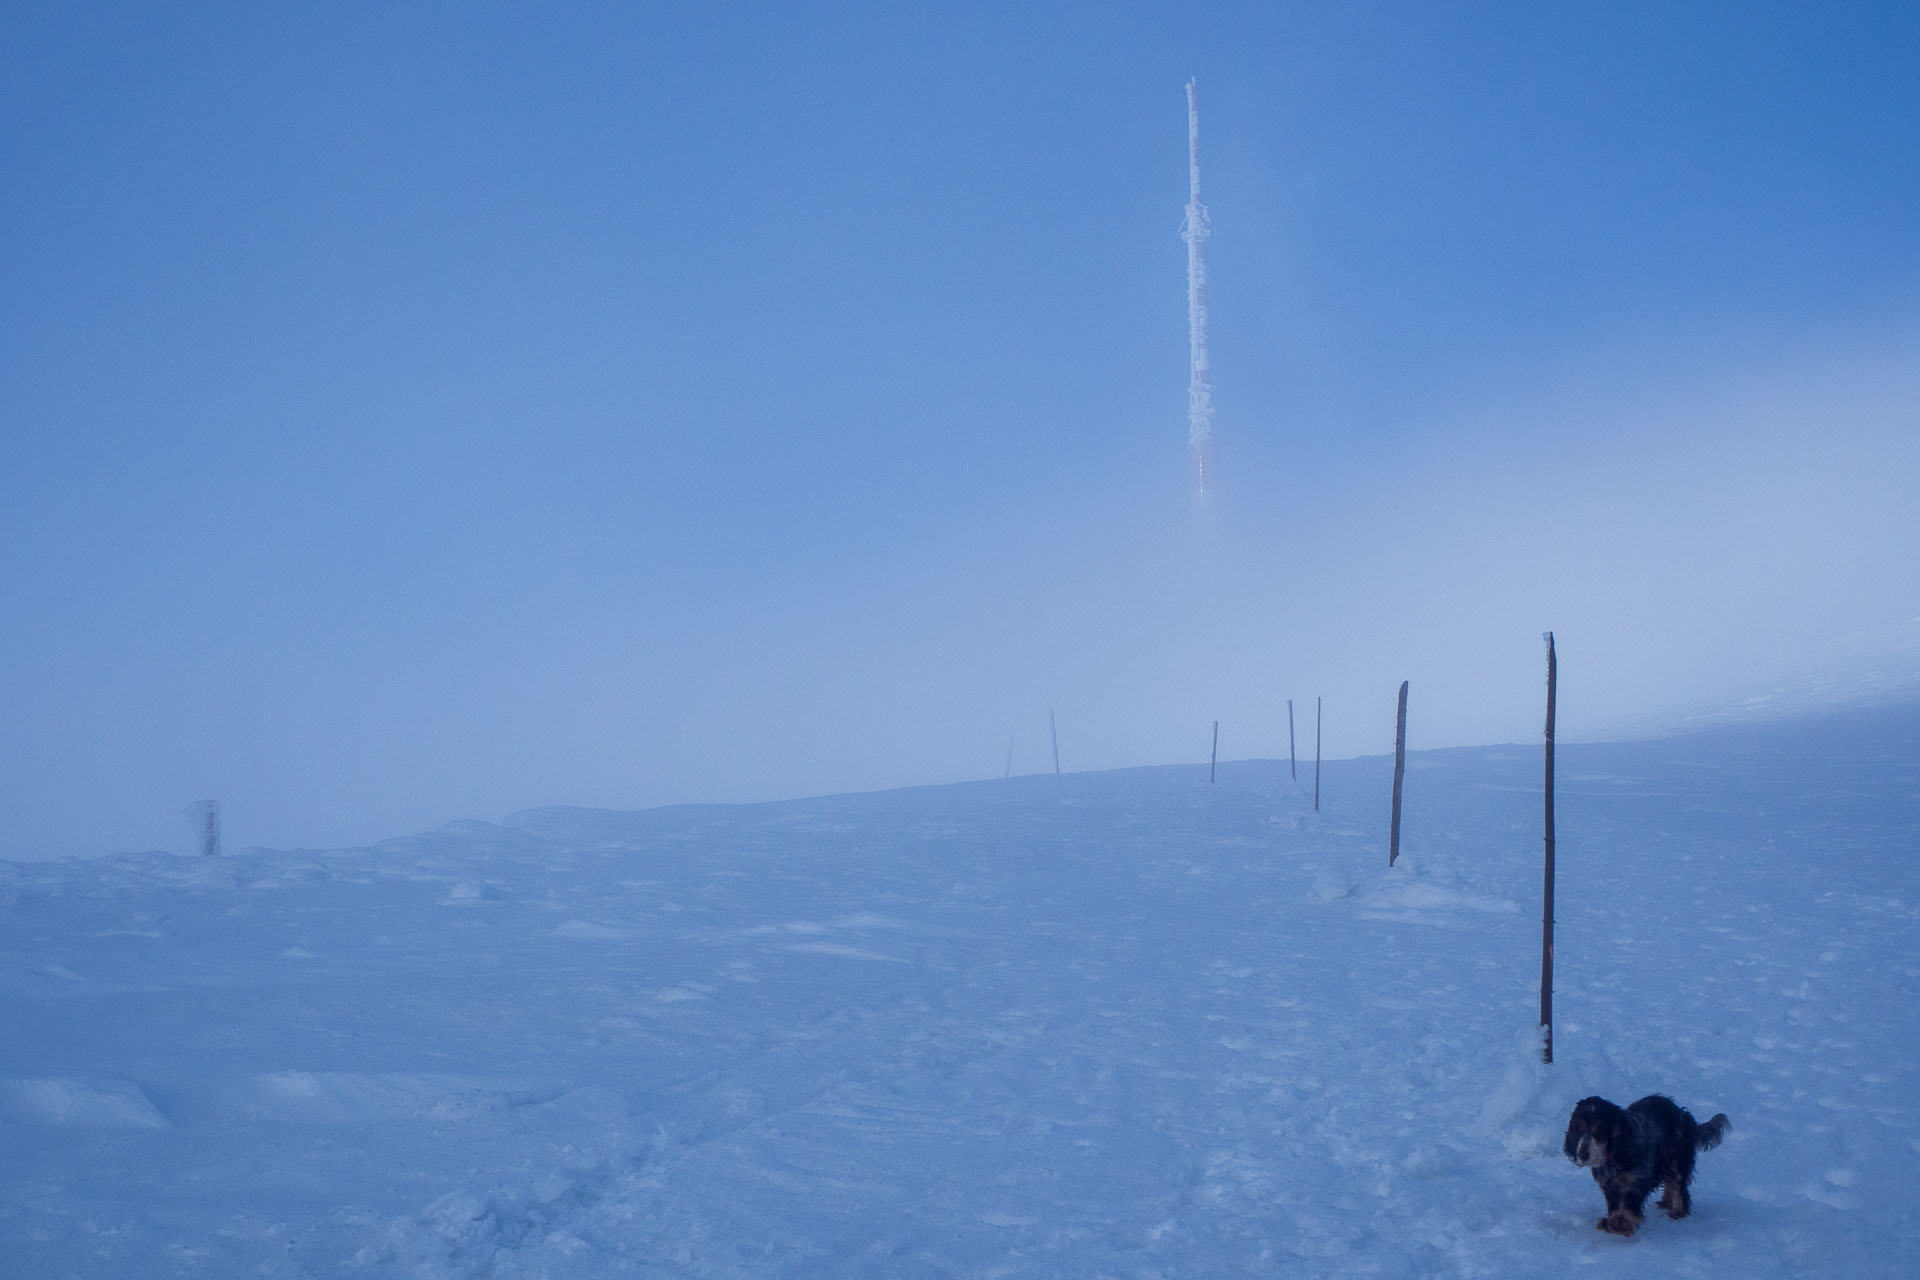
{"points": [[1579, 1124], [1576, 1125]]}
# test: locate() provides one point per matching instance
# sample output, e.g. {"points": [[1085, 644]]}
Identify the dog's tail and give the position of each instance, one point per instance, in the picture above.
{"points": [[1707, 1136]]}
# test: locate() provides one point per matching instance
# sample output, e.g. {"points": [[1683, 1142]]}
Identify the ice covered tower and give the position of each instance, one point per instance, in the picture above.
{"points": [[1195, 231]]}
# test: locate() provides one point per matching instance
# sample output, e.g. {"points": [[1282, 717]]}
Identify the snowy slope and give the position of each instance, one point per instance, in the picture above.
{"points": [[1124, 1024]]}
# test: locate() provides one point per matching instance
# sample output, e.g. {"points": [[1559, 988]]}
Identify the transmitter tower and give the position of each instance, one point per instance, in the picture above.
{"points": [[1194, 230]]}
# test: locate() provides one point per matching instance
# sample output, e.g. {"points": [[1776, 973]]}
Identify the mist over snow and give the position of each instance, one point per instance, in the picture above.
{"points": [[1736, 549], [417, 416]]}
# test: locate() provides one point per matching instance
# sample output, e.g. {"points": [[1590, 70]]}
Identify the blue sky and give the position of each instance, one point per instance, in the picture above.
{"points": [[420, 412]]}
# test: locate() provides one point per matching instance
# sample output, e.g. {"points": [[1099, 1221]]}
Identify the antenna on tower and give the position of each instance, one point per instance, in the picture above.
{"points": [[1194, 230]]}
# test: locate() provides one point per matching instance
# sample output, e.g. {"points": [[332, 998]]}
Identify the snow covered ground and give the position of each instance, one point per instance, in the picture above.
{"points": [[1124, 1024]]}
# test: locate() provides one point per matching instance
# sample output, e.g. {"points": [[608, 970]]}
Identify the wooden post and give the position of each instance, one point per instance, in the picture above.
{"points": [[1293, 770], [1214, 763], [1546, 904], [1399, 775], [1054, 733], [1316, 755]]}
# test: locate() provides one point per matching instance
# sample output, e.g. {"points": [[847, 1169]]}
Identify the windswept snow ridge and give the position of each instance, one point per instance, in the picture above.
{"points": [[1123, 1024]]}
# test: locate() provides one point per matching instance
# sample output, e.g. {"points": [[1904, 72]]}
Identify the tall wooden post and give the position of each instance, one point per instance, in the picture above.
{"points": [[1293, 770], [1214, 762], [1316, 755], [1054, 733], [1546, 904], [1399, 774]]}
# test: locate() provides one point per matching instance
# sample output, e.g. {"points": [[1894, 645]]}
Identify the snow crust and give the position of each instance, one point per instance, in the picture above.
{"points": [[1125, 1024]]}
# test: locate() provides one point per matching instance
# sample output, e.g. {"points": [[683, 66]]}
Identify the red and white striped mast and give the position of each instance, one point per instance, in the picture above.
{"points": [[1195, 230]]}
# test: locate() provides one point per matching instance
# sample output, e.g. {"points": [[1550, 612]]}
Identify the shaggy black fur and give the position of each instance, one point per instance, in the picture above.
{"points": [[1633, 1151]]}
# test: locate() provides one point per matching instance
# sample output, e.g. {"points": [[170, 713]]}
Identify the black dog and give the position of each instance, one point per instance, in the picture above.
{"points": [[1633, 1151]]}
